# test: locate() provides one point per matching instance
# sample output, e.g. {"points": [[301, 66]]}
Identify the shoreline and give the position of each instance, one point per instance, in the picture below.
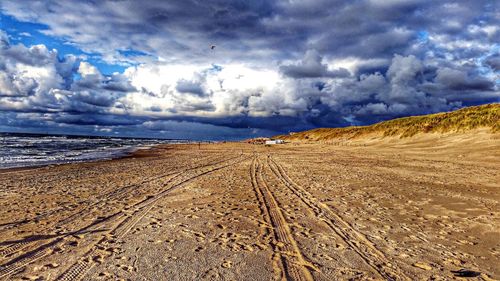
{"points": [[138, 152], [135, 152]]}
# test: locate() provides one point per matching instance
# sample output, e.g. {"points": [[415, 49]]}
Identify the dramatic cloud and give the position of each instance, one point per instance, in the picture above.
{"points": [[311, 66], [146, 67], [25, 72], [494, 62]]}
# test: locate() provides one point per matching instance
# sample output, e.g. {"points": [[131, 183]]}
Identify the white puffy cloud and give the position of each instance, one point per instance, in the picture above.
{"points": [[27, 71], [86, 69], [198, 90]]}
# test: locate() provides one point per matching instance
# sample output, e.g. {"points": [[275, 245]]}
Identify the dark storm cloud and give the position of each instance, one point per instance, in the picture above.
{"points": [[184, 29], [95, 98], [277, 66], [494, 62], [192, 87], [311, 66], [96, 119], [117, 83], [459, 80], [374, 28], [180, 28]]}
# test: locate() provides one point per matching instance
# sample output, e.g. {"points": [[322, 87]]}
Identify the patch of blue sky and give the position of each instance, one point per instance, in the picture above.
{"points": [[107, 69], [423, 36], [29, 34]]}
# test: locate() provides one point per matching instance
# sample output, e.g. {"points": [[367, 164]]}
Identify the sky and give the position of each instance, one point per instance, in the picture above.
{"points": [[146, 68]]}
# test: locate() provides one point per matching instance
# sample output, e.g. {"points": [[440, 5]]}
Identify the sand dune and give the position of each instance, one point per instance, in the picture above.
{"points": [[424, 208], [459, 121]]}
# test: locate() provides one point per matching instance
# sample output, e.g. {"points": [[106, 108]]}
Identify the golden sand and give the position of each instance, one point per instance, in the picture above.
{"points": [[426, 208]]}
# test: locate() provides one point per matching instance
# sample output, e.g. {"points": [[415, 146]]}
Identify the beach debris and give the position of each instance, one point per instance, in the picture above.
{"points": [[466, 273]]}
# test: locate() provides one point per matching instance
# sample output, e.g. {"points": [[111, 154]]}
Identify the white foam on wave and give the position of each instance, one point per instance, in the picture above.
{"points": [[18, 151]]}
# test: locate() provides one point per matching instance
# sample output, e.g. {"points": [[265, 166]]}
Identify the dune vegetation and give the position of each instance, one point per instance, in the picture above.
{"points": [[483, 116]]}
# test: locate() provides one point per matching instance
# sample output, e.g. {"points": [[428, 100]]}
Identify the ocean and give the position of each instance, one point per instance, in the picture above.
{"points": [[28, 150]]}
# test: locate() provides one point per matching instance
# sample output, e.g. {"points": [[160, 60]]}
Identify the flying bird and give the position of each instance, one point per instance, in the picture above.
{"points": [[212, 47]]}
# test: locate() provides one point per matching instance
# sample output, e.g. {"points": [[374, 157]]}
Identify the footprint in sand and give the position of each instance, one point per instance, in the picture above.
{"points": [[171, 258], [73, 243], [105, 275], [121, 258], [323, 257], [155, 224], [261, 246], [248, 248], [52, 265], [227, 264], [211, 274], [112, 250], [198, 235], [98, 259], [125, 267], [339, 247]]}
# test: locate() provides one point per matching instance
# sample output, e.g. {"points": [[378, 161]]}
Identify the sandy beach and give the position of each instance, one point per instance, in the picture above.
{"points": [[423, 209]]}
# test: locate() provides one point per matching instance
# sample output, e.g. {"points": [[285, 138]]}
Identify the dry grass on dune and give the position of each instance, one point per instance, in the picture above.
{"points": [[456, 121]]}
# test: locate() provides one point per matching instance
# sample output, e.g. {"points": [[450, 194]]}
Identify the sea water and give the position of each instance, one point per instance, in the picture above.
{"points": [[25, 150]]}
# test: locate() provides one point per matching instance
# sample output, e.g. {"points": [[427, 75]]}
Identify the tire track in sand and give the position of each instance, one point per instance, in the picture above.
{"points": [[120, 192], [111, 222], [293, 265], [23, 261], [356, 240], [265, 234], [114, 194], [42, 250], [11, 249], [78, 270], [17, 249]]}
